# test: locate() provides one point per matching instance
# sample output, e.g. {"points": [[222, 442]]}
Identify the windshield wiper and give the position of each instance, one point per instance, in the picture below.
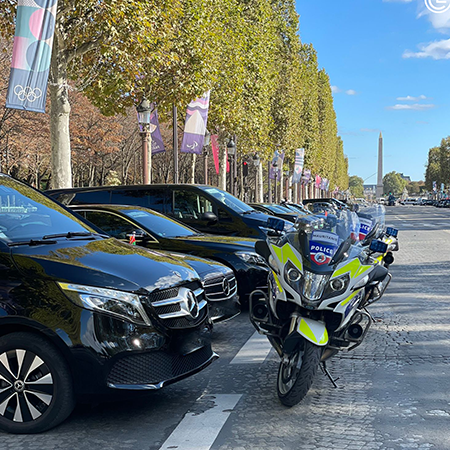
{"points": [[249, 211], [72, 234], [31, 242]]}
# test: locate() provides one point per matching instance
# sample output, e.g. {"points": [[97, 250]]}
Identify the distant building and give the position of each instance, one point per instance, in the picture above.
{"points": [[406, 177], [370, 191]]}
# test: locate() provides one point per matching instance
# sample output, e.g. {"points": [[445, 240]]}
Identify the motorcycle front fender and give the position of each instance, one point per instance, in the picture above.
{"points": [[313, 331]]}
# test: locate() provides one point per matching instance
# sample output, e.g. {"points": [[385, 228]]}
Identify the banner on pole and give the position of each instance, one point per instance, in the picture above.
{"points": [[298, 166], [32, 51], [157, 142], [306, 176], [434, 186], [318, 181], [215, 151], [195, 125], [276, 168]]}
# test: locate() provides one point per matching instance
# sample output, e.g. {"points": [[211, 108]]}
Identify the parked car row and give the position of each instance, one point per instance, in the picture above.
{"points": [[117, 288]]}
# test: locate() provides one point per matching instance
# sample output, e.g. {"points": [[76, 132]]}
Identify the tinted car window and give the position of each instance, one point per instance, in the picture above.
{"points": [[158, 224], [227, 199], [26, 214], [190, 205], [82, 198], [110, 223], [152, 198]]}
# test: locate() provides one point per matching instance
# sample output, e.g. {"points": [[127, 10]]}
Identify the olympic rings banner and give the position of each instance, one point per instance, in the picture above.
{"points": [[32, 51]]}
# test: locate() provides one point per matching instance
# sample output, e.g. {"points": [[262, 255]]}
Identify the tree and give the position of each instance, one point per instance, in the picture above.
{"points": [[393, 183], [356, 186]]}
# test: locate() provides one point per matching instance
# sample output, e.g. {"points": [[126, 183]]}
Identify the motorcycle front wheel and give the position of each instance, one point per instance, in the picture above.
{"points": [[296, 373]]}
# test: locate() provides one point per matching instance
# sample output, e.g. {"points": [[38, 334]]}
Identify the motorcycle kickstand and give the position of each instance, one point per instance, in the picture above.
{"points": [[323, 366]]}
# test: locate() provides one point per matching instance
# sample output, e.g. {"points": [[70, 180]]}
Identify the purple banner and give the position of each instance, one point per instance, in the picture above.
{"points": [[32, 51], [157, 142], [298, 166], [276, 168], [306, 176], [195, 125]]}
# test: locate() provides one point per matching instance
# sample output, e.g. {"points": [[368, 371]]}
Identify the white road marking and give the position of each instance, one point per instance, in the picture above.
{"points": [[198, 431], [254, 351]]}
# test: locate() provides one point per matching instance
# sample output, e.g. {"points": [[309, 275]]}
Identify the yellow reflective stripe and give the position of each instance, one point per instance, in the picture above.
{"points": [[351, 267], [362, 269], [380, 258], [305, 330], [349, 298], [277, 280], [286, 253], [278, 252], [324, 339]]}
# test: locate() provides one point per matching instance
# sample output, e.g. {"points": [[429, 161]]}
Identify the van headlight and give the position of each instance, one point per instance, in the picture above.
{"points": [[116, 303], [251, 258]]}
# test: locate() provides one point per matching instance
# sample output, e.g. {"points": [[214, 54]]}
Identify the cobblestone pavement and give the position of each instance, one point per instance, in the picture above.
{"points": [[394, 390]]}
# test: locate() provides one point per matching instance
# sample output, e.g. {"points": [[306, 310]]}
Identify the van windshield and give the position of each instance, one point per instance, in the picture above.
{"points": [[27, 214], [228, 200]]}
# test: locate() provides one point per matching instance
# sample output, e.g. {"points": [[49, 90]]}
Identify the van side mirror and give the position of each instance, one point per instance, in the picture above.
{"points": [[275, 224], [209, 217]]}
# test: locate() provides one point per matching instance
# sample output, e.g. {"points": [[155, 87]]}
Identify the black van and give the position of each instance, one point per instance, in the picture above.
{"points": [[206, 208], [81, 313]]}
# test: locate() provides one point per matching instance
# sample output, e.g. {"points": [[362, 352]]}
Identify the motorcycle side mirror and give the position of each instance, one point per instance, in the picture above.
{"points": [[378, 246], [210, 217], [275, 224]]}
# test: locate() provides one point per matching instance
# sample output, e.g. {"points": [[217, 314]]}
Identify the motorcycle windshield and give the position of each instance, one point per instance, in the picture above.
{"points": [[372, 221], [325, 243]]}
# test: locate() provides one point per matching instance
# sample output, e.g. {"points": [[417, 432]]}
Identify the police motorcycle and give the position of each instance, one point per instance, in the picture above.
{"points": [[320, 284], [373, 226]]}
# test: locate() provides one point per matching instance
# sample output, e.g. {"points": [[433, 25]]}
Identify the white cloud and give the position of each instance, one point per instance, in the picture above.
{"points": [[435, 50], [409, 98], [335, 89], [414, 107], [350, 92], [440, 22]]}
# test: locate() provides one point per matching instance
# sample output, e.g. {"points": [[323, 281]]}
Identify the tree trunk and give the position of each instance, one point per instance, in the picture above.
{"points": [[59, 119]]}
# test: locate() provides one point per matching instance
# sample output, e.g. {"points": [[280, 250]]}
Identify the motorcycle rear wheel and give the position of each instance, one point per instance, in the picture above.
{"points": [[296, 374]]}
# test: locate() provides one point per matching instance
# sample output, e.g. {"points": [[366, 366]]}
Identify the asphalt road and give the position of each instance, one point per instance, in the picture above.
{"points": [[394, 390]]}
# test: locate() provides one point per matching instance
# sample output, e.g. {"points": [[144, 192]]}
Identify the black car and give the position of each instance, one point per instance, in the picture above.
{"points": [[207, 209], [337, 204], [156, 231], [85, 314], [276, 210]]}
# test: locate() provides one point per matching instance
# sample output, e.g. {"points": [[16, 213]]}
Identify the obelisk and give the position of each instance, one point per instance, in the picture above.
{"points": [[380, 167]]}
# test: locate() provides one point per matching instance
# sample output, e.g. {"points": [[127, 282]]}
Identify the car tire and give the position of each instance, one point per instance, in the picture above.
{"points": [[36, 387]]}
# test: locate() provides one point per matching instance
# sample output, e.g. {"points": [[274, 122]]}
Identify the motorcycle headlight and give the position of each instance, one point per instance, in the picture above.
{"points": [[251, 258], [314, 285], [117, 303], [293, 277], [337, 286]]}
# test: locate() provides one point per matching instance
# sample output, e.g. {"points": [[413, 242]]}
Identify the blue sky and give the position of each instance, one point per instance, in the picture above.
{"points": [[389, 65]]}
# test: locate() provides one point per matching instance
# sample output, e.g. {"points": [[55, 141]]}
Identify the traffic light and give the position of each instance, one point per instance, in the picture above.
{"points": [[245, 168]]}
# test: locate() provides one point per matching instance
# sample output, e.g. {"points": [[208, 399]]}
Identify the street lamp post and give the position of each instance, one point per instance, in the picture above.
{"points": [[231, 149], [144, 110]]}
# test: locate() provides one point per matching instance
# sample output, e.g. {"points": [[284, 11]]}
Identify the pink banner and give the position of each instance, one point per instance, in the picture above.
{"points": [[215, 150], [318, 181]]}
